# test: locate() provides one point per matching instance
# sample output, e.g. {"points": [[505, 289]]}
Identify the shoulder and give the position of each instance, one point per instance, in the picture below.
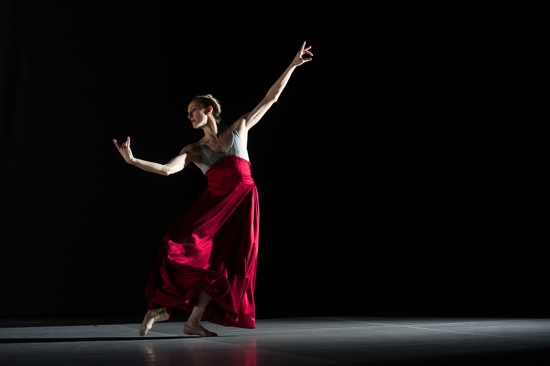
{"points": [[240, 124], [193, 148], [191, 153]]}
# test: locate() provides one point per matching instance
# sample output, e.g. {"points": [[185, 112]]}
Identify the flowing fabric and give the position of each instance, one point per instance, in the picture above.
{"points": [[213, 247]]}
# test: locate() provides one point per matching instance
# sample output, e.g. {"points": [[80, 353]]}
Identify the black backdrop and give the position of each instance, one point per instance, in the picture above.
{"points": [[400, 173]]}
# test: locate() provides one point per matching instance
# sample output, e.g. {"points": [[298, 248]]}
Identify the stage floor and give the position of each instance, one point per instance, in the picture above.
{"points": [[280, 342]]}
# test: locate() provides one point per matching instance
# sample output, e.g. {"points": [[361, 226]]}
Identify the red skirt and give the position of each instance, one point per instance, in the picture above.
{"points": [[213, 247]]}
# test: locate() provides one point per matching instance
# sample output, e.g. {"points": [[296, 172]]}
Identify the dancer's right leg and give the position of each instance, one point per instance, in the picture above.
{"points": [[193, 326]]}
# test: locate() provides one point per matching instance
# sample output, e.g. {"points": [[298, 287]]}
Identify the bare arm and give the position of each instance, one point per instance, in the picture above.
{"points": [[176, 164], [246, 122]]}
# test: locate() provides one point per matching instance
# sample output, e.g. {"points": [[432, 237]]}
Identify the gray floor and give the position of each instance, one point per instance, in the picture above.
{"points": [[282, 342]]}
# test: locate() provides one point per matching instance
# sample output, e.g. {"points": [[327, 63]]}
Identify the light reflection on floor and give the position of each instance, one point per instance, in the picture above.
{"points": [[283, 342]]}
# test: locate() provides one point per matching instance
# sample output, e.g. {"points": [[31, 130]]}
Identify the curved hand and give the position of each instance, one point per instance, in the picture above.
{"points": [[299, 59], [124, 149]]}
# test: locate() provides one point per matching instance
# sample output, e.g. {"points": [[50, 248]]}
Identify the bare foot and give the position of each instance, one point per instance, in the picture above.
{"points": [[199, 330], [152, 316]]}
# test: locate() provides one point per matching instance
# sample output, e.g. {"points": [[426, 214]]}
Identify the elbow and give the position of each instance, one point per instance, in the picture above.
{"points": [[170, 169], [163, 170], [272, 96]]}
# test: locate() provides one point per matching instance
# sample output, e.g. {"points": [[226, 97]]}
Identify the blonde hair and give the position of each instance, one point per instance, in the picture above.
{"points": [[208, 100]]}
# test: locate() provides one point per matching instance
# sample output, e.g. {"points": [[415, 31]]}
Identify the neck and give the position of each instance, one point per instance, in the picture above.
{"points": [[212, 130]]}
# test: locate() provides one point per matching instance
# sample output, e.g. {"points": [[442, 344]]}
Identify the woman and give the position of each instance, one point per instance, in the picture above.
{"points": [[207, 265]]}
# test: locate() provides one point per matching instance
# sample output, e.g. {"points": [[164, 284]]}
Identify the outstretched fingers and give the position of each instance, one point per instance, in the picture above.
{"points": [[305, 50], [125, 144]]}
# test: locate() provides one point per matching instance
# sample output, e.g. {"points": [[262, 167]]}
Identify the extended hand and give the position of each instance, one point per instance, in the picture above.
{"points": [[299, 59], [124, 149]]}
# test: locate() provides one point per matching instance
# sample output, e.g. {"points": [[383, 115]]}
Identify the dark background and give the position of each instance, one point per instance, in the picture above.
{"points": [[401, 173]]}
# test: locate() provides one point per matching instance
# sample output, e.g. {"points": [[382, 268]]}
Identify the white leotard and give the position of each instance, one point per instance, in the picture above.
{"points": [[237, 148]]}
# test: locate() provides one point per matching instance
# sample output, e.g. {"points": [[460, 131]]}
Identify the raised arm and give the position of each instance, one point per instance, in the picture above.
{"points": [[243, 124], [173, 166]]}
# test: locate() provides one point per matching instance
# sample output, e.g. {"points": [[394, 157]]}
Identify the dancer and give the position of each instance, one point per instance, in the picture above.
{"points": [[207, 263]]}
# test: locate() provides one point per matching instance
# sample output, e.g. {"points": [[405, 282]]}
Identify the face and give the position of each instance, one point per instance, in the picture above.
{"points": [[197, 114]]}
